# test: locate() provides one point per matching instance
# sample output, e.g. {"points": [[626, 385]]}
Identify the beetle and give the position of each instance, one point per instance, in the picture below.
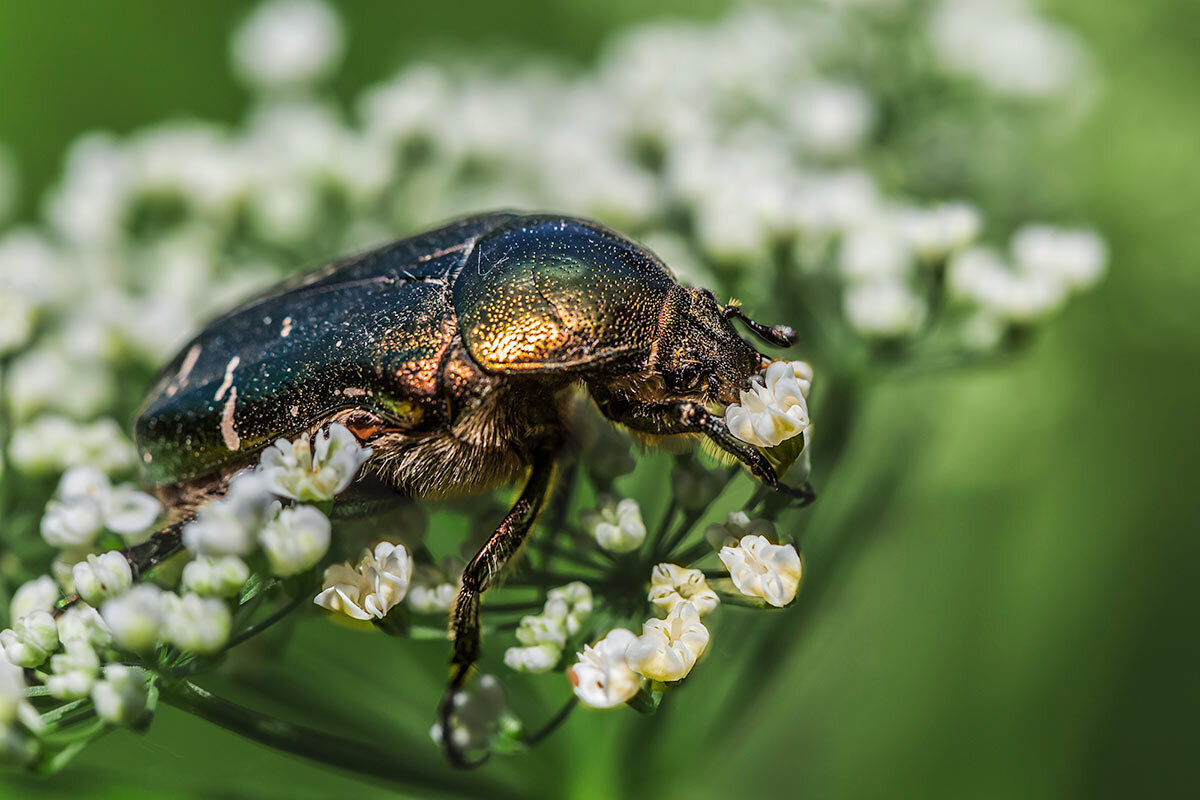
{"points": [[454, 355]]}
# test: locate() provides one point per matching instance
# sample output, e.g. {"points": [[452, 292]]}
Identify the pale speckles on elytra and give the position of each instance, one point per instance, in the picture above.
{"points": [[225, 384]]}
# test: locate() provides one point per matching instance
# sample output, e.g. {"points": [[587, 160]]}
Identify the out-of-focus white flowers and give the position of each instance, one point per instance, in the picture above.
{"points": [[885, 308], [17, 314], [296, 539], [776, 407], [135, 618], [480, 714], [1077, 257], [941, 230], [434, 588], [39, 594], [762, 569], [1048, 265], [316, 471], [51, 443], [287, 43], [1006, 46], [30, 640], [372, 587], [571, 603], [121, 695], [73, 671], [671, 584], [14, 706], [615, 525], [100, 577], [194, 623], [668, 648], [601, 678], [216, 576], [86, 502], [230, 525]]}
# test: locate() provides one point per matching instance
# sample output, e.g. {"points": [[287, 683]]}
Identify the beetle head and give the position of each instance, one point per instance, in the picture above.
{"points": [[698, 352]]}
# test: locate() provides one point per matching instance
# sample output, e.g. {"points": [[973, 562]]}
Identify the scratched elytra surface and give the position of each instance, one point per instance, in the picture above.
{"points": [[375, 331]]}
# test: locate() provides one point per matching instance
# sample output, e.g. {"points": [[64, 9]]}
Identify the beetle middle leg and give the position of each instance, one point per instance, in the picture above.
{"points": [[477, 577]]}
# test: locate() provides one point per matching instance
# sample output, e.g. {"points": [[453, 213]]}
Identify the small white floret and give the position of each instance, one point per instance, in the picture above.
{"points": [[230, 525], [73, 671], [314, 471], [671, 584], [775, 408], [30, 640], [135, 618], [761, 569], [287, 43], [668, 648], [616, 526], [194, 623], [121, 695], [216, 576], [102, 576], [371, 588], [296, 539], [39, 594], [601, 678]]}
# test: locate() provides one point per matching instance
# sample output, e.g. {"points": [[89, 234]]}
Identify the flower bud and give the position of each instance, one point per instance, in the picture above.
{"points": [[212, 576], [101, 577]]}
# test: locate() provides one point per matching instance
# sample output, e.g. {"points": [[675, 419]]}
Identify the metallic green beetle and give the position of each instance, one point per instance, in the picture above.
{"points": [[454, 355]]}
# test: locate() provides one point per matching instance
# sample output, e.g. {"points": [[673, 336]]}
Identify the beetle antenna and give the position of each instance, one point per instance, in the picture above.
{"points": [[778, 335]]}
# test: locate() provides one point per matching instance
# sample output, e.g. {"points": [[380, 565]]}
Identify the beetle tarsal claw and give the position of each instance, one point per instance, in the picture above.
{"points": [[803, 493]]}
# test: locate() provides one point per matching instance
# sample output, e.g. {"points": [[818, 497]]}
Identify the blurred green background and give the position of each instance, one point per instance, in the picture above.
{"points": [[1021, 624]]}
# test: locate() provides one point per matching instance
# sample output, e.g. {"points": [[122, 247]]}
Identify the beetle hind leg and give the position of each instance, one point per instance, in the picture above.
{"points": [[477, 577]]}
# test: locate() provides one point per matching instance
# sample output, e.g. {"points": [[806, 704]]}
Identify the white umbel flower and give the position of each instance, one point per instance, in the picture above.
{"points": [[102, 576], [671, 584], [135, 618], [30, 640], [73, 671], [761, 569], [776, 407], [121, 695], [39, 594], [616, 526], [215, 576], [315, 471], [371, 588], [668, 648], [194, 623], [230, 525], [52, 443], [287, 43], [601, 678], [295, 540], [533, 659]]}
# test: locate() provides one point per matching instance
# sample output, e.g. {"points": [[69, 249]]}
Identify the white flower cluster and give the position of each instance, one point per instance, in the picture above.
{"points": [[115, 617], [776, 407], [1047, 265], [613, 670], [543, 636]]}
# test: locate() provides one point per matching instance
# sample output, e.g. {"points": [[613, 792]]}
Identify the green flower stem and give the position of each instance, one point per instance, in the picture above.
{"points": [[553, 724], [663, 524], [266, 622], [363, 758]]}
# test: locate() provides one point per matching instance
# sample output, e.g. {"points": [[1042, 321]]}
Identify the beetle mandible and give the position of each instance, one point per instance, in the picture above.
{"points": [[454, 355]]}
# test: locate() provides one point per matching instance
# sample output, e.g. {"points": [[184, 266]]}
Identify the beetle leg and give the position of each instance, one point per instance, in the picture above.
{"points": [[144, 556], [686, 416], [476, 578]]}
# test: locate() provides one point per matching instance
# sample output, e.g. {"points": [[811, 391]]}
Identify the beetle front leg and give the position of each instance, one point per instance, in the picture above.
{"points": [[477, 577], [686, 416]]}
